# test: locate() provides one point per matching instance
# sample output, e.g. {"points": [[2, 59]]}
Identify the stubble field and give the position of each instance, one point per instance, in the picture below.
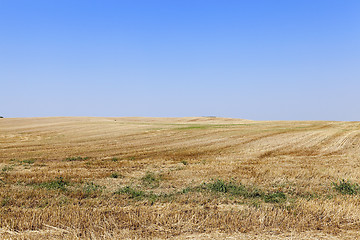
{"points": [[180, 178]]}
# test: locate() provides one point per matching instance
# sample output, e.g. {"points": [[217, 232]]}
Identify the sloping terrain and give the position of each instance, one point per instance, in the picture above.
{"points": [[181, 178]]}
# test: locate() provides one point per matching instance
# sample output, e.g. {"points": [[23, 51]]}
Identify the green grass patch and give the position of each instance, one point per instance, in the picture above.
{"points": [[28, 161], [233, 189], [133, 193], [346, 187], [151, 180], [276, 197], [71, 159], [139, 195], [92, 189], [195, 127], [58, 184]]}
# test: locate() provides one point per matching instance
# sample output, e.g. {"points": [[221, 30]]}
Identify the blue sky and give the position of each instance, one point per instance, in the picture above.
{"points": [[261, 60]]}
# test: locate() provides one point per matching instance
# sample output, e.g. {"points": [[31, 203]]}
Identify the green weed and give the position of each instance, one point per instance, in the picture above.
{"points": [[184, 162], [151, 180], [7, 168], [133, 193], [58, 184], [91, 189], [346, 187], [71, 159], [28, 161], [276, 197], [116, 175], [233, 189], [141, 195], [5, 201]]}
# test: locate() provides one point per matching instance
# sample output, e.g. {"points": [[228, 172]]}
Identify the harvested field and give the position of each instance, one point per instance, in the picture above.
{"points": [[178, 178]]}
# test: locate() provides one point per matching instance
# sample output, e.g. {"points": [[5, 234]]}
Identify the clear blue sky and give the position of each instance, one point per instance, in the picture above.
{"points": [[262, 60]]}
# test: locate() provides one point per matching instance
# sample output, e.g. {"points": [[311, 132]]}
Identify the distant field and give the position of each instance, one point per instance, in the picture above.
{"points": [[180, 178]]}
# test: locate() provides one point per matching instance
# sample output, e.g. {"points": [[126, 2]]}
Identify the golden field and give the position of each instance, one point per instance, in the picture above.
{"points": [[178, 178]]}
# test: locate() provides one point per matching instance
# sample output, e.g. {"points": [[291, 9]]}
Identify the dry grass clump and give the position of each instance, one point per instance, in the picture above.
{"points": [[108, 178]]}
